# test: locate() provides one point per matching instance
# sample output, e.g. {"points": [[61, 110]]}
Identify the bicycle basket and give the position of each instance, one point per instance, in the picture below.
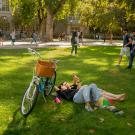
{"points": [[45, 68]]}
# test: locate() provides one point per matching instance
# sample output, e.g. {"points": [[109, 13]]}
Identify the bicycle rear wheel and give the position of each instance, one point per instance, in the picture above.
{"points": [[29, 99], [50, 84]]}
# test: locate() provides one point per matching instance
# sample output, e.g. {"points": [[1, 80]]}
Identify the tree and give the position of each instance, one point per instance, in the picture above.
{"points": [[52, 7]]}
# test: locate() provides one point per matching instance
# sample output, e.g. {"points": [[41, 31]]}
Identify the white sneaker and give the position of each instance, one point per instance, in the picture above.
{"points": [[88, 108]]}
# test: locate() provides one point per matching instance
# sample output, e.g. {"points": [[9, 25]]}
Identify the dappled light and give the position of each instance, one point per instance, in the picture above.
{"points": [[92, 65]]}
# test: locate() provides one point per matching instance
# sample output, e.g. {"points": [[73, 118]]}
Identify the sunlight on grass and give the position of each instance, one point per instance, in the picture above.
{"points": [[92, 65], [64, 113], [69, 72]]}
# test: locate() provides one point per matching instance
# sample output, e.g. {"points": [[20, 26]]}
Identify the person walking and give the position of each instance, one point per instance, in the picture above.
{"points": [[34, 38], [81, 38], [74, 42], [1, 38], [132, 53], [12, 37], [127, 44]]}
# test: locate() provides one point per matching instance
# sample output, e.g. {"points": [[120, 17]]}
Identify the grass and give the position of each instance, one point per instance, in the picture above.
{"points": [[93, 64]]}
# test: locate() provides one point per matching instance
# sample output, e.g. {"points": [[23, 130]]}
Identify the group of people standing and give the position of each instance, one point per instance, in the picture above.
{"points": [[128, 48]]}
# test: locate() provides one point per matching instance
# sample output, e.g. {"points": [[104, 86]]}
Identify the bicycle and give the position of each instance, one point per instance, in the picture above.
{"points": [[43, 81]]}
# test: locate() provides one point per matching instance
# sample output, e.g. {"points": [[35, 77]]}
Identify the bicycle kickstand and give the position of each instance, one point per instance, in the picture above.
{"points": [[44, 98]]}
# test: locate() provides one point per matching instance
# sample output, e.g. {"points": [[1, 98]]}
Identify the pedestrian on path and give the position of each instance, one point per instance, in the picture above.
{"points": [[74, 42], [127, 44], [1, 38], [132, 52], [81, 38], [34, 38], [12, 37]]}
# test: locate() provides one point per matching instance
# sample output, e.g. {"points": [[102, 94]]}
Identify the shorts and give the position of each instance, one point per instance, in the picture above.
{"points": [[125, 51]]}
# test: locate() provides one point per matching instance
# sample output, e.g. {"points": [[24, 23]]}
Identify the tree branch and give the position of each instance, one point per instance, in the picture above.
{"points": [[61, 3]]}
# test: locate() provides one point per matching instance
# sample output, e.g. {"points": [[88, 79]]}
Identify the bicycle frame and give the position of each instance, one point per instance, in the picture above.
{"points": [[37, 85], [35, 79]]}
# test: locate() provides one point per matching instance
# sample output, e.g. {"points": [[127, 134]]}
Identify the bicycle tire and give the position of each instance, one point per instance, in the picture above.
{"points": [[50, 86], [32, 89]]}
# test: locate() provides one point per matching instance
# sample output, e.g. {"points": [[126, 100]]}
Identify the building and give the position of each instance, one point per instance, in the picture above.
{"points": [[68, 25], [5, 16]]}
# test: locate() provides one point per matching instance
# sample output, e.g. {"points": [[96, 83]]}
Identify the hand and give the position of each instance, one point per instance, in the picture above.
{"points": [[56, 88], [76, 78]]}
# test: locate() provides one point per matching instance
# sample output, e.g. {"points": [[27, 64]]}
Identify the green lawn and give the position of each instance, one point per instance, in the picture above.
{"points": [[93, 64]]}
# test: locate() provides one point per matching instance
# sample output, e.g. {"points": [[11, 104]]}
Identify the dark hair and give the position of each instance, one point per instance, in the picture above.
{"points": [[125, 29], [133, 30], [60, 84], [74, 34]]}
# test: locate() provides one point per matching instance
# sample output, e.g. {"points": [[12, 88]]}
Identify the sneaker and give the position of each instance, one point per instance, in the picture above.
{"points": [[119, 113], [88, 108]]}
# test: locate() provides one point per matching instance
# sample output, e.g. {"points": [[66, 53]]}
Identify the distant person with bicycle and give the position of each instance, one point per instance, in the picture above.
{"points": [[88, 94]]}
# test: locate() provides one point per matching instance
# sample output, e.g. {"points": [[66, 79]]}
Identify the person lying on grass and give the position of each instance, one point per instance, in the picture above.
{"points": [[88, 94]]}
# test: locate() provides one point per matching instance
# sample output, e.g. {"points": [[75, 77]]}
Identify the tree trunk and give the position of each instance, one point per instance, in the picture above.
{"points": [[111, 37], [42, 29], [49, 26]]}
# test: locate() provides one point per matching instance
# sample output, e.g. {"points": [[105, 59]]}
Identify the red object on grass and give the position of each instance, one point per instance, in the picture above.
{"points": [[111, 101], [57, 100]]}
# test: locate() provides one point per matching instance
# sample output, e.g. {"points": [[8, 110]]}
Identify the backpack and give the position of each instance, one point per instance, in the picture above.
{"points": [[74, 40]]}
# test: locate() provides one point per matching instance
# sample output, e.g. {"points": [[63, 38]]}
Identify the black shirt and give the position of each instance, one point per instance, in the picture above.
{"points": [[68, 94]]}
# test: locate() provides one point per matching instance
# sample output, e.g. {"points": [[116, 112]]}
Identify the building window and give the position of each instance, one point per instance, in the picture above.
{"points": [[5, 5]]}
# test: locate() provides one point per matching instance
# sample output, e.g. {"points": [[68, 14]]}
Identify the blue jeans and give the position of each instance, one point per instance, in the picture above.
{"points": [[87, 93], [132, 54]]}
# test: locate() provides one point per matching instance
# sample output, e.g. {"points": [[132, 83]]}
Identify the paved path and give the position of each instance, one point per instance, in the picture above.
{"points": [[26, 44]]}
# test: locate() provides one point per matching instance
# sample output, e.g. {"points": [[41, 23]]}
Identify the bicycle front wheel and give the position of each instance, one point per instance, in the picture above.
{"points": [[50, 85], [29, 99]]}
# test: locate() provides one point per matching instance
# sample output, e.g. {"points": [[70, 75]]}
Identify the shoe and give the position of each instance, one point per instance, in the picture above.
{"points": [[88, 108], [119, 113]]}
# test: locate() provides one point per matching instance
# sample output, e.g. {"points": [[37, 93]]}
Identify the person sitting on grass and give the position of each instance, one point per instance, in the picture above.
{"points": [[87, 94]]}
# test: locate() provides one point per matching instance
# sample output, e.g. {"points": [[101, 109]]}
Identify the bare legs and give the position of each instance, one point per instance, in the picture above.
{"points": [[116, 97]]}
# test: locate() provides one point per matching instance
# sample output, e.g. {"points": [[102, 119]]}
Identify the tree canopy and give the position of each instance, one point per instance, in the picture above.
{"points": [[105, 15]]}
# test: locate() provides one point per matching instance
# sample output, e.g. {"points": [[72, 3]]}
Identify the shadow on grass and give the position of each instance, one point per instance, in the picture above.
{"points": [[17, 125], [52, 118]]}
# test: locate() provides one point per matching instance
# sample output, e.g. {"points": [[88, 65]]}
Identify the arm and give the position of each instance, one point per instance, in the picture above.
{"points": [[76, 81], [129, 41], [56, 88]]}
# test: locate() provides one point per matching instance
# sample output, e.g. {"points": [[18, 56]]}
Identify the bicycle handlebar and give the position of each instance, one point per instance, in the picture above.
{"points": [[34, 52]]}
